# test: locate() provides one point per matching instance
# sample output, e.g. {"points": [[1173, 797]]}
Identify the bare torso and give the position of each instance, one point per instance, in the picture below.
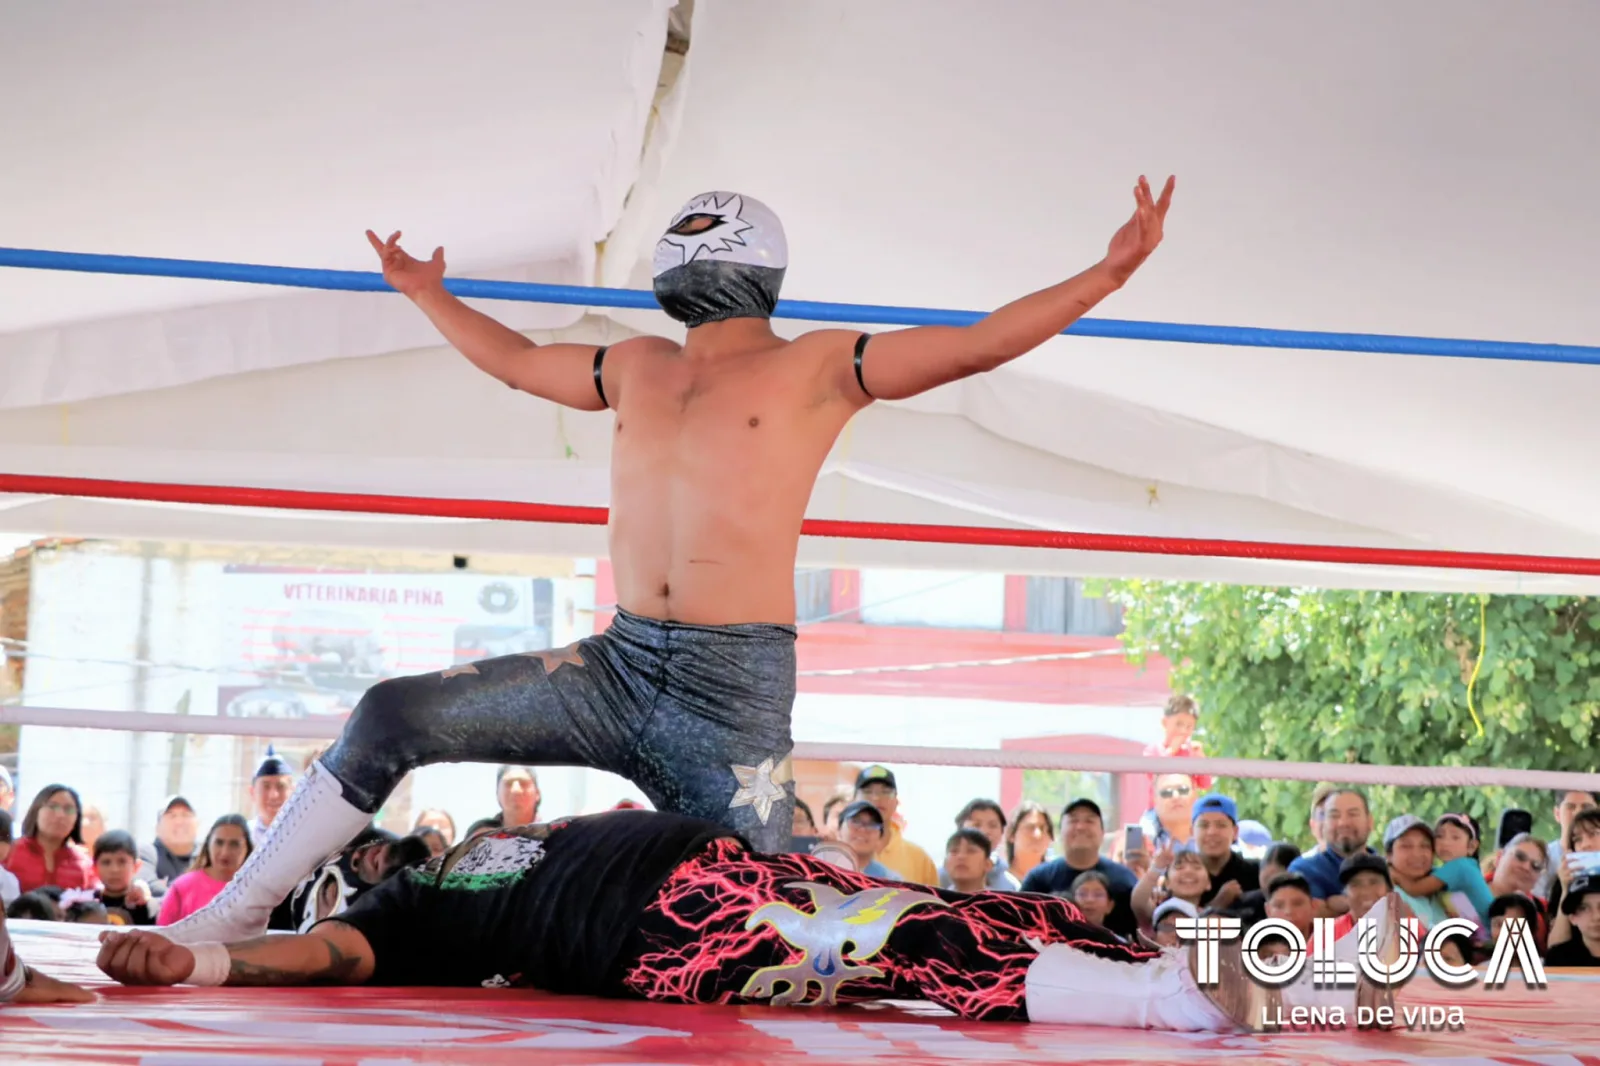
{"points": [[712, 465]]}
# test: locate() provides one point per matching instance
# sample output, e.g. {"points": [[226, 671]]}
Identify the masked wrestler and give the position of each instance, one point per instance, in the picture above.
{"points": [[672, 909], [717, 443]]}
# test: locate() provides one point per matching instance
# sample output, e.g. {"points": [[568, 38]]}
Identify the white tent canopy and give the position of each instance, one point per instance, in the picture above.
{"points": [[1422, 170]]}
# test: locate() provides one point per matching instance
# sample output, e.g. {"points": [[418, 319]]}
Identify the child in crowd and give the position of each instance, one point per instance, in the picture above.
{"points": [[1516, 905], [1581, 907], [1178, 723], [1365, 878], [126, 900], [1091, 893], [10, 889], [82, 906], [38, 906], [1176, 874]]}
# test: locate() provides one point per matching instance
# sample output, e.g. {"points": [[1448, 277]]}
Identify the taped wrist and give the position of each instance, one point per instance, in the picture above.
{"points": [[211, 965]]}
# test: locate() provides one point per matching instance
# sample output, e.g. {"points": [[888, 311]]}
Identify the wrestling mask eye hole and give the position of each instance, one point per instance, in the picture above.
{"points": [[698, 222]]}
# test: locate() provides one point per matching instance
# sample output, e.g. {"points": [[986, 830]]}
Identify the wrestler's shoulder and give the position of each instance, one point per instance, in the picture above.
{"points": [[644, 344]]}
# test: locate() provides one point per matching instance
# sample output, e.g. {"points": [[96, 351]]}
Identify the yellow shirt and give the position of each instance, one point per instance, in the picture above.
{"points": [[909, 862]]}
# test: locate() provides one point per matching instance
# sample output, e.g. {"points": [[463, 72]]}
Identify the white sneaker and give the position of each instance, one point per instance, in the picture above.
{"points": [[314, 823]]}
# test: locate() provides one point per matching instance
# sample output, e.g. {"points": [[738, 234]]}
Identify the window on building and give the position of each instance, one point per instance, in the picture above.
{"points": [[1059, 605]]}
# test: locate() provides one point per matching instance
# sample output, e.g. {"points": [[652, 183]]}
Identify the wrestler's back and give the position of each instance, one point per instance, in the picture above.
{"points": [[713, 463]]}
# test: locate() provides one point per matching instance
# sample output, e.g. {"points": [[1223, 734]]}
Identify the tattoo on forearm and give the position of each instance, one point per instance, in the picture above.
{"points": [[250, 965]]}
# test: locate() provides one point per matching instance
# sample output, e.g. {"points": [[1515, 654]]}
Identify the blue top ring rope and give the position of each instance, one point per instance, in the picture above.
{"points": [[808, 310]]}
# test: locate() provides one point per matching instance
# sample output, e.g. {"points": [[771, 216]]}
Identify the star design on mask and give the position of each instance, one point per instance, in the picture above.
{"points": [[761, 786], [721, 236], [555, 658], [458, 671]]}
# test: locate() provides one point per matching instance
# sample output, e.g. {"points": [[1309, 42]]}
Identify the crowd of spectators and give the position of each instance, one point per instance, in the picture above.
{"points": [[1191, 853]]}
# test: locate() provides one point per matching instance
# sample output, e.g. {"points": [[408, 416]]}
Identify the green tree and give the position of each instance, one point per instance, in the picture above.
{"points": [[1307, 675]]}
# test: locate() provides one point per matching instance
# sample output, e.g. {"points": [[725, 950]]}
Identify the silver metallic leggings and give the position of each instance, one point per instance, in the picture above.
{"points": [[696, 716]]}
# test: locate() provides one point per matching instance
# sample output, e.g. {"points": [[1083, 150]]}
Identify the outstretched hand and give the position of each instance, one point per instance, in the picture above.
{"points": [[405, 272], [1140, 235], [42, 988], [142, 957]]}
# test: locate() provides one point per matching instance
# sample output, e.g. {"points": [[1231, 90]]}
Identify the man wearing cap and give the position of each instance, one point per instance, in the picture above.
{"points": [[1581, 906], [1346, 826], [861, 828], [273, 782], [1216, 827], [1408, 847], [876, 785], [1083, 830], [172, 851]]}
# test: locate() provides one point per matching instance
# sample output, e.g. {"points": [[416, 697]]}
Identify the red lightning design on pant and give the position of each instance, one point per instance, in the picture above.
{"points": [[971, 957]]}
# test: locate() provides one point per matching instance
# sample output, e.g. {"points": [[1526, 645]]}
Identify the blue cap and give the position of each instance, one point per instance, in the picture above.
{"points": [[1254, 835], [1216, 803]]}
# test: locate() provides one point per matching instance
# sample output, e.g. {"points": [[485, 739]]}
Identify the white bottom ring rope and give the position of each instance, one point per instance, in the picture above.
{"points": [[327, 728]]}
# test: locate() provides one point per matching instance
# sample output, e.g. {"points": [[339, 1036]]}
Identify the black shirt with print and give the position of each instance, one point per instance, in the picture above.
{"points": [[546, 906]]}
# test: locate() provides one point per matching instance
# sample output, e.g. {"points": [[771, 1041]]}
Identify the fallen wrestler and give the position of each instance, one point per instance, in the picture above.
{"points": [[21, 983], [717, 445], [675, 910]]}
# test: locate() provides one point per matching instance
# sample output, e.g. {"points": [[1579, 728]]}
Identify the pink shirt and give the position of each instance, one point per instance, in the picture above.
{"points": [[187, 894]]}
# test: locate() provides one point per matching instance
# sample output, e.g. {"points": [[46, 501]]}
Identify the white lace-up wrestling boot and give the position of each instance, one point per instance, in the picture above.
{"points": [[1072, 987], [314, 823]]}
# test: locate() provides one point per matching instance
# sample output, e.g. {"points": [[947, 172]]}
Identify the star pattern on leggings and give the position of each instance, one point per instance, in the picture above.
{"points": [[555, 658], [761, 786]]}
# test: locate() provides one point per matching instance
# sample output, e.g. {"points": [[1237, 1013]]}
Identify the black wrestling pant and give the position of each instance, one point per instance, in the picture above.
{"points": [[734, 927]]}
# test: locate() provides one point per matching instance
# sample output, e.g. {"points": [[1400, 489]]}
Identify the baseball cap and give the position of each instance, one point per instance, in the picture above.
{"points": [[1362, 862], [1253, 834], [1403, 825], [1216, 803], [274, 765], [860, 807], [1582, 885], [176, 801], [1084, 801], [1181, 907], [876, 774]]}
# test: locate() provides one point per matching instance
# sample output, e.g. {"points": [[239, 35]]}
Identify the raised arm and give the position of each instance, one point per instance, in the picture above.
{"points": [[332, 953], [562, 373], [1143, 899], [906, 362]]}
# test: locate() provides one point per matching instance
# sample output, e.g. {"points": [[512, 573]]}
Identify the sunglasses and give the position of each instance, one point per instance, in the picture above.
{"points": [[1174, 792], [1536, 865]]}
